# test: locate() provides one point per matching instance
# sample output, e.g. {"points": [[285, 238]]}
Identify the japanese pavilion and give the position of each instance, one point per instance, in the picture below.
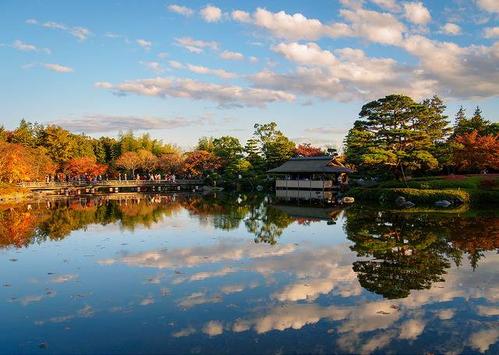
{"points": [[310, 178]]}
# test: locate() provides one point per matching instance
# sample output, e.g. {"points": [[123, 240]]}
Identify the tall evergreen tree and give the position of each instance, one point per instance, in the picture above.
{"points": [[391, 134]]}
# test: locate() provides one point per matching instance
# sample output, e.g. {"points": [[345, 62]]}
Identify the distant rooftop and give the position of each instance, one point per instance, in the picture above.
{"points": [[324, 164]]}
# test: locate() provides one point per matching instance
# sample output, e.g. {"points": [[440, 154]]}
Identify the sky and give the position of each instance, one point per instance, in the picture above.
{"points": [[182, 70]]}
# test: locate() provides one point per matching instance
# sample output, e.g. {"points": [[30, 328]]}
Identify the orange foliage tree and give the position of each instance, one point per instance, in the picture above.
{"points": [[199, 162], [475, 152], [307, 150], [129, 161], [20, 163], [85, 166], [170, 163]]}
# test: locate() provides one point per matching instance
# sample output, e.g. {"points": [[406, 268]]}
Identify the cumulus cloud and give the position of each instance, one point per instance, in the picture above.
{"points": [[489, 5], [211, 13], [27, 47], [451, 29], [223, 95], [144, 43], [58, 68], [483, 339], [491, 32], [213, 328], [375, 26], [387, 4], [195, 46], [99, 123], [417, 13], [411, 329], [181, 10], [228, 55], [474, 65], [291, 27], [347, 74], [80, 33]]}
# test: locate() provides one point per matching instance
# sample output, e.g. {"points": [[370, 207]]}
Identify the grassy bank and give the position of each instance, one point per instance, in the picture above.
{"points": [[11, 192], [475, 190]]}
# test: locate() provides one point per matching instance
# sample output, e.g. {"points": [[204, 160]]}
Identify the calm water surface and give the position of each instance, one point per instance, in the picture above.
{"points": [[178, 274]]}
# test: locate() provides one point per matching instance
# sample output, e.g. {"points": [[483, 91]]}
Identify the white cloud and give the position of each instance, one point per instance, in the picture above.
{"points": [[100, 123], [483, 339], [58, 68], [228, 55], [27, 47], [211, 13], [64, 278], [223, 251], [475, 65], [176, 65], [195, 46], [81, 33], [223, 95], [305, 54], [411, 329], [153, 66], [198, 298], [348, 74], [292, 27], [184, 332], [375, 26], [221, 73], [489, 5], [491, 32], [451, 29], [144, 44], [417, 13], [198, 69], [387, 4], [241, 16], [181, 10], [213, 328]]}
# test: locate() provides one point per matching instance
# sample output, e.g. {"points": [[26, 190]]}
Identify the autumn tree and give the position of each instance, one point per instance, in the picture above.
{"points": [[20, 163], [148, 161], [129, 161], [307, 150], [200, 162], [170, 163], [85, 166], [473, 152]]}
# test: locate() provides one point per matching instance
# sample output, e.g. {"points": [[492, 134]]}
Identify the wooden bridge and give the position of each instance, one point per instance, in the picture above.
{"points": [[111, 184]]}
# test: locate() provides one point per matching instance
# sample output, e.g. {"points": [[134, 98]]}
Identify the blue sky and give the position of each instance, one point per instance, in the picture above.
{"points": [[188, 69]]}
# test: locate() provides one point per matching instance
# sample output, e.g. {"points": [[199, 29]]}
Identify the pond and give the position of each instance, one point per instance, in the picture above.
{"points": [[245, 274]]}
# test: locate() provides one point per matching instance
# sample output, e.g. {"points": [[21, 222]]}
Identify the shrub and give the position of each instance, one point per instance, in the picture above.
{"points": [[421, 196]]}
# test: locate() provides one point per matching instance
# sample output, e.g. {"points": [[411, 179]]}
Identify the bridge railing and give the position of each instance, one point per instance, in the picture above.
{"points": [[110, 183]]}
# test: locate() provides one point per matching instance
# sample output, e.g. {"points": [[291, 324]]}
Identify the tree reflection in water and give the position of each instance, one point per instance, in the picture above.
{"points": [[397, 252], [400, 252]]}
